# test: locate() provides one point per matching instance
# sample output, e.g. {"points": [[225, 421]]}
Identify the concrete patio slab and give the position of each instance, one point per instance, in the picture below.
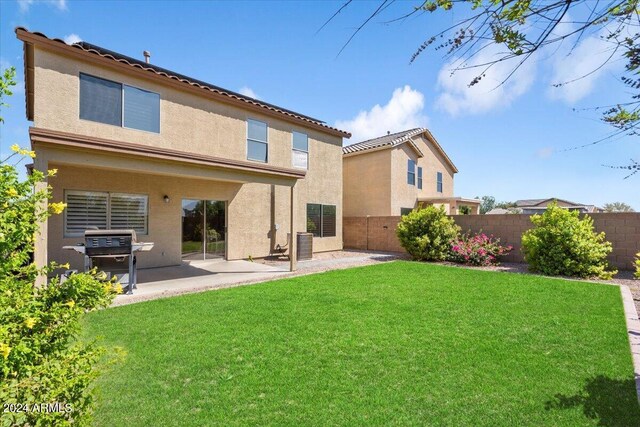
{"points": [[197, 276]]}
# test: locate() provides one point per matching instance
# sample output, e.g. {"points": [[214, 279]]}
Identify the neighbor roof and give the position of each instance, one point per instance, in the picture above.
{"points": [[109, 57], [393, 140], [536, 202]]}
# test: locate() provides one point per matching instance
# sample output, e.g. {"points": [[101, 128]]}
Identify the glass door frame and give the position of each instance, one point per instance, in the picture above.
{"points": [[204, 229]]}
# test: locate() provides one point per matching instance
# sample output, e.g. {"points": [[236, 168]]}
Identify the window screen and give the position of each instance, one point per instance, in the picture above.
{"points": [[328, 220], [405, 211], [100, 100], [439, 182], [300, 153], [420, 178], [141, 109], [411, 172], [257, 141], [314, 219], [321, 220]]}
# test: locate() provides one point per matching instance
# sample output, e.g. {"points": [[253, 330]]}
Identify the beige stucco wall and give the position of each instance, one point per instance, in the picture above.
{"points": [[375, 183], [187, 123], [367, 183]]}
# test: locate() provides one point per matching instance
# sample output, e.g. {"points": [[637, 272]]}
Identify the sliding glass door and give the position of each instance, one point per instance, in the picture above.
{"points": [[203, 229]]}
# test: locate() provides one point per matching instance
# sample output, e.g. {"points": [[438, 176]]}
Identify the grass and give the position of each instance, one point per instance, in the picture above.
{"points": [[398, 343]]}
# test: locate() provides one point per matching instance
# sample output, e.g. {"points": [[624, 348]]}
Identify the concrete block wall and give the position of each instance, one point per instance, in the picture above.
{"points": [[378, 233]]}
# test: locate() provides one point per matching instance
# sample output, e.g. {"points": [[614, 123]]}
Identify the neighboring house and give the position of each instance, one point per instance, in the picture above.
{"points": [[395, 173], [533, 206], [502, 211], [201, 171]]}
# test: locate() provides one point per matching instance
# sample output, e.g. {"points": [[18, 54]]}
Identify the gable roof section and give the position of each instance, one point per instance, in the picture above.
{"points": [[394, 140], [91, 52], [538, 202]]}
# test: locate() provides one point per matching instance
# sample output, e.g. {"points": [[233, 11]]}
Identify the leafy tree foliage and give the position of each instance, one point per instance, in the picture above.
{"points": [[526, 27], [41, 362], [617, 207]]}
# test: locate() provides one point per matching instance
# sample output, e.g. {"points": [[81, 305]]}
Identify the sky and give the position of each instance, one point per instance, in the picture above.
{"points": [[507, 141]]}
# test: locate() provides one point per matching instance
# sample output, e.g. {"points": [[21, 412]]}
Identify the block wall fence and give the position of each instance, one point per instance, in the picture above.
{"points": [[378, 233]]}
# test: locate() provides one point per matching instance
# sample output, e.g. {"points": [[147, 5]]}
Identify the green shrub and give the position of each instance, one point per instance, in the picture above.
{"points": [[563, 244], [42, 365], [637, 263], [426, 234]]}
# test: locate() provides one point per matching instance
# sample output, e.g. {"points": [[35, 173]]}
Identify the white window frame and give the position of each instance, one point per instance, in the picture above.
{"points": [[108, 195], [266, 142], [296, 150]]}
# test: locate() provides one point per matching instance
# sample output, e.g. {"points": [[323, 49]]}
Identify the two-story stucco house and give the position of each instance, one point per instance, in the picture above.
{"points": [[397, 172], [199, 170]]}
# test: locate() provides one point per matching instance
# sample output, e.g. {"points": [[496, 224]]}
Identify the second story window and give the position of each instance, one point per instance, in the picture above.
{"points": [[300, 153], [101, 101], [439, 182], [419, 178], [411, 172], [257, 145]]}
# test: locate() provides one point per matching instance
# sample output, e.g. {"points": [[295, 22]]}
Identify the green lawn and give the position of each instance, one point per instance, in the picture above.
{"points": [[398, 343]]}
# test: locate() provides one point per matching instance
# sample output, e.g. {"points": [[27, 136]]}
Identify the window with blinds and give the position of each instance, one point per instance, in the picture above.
{"points": [[90, 210], [328, 220], [128, 211], [300, 152], [321, 220], [141, 109], [100, 100], [116, 104], [85, 210], [314, 219]]}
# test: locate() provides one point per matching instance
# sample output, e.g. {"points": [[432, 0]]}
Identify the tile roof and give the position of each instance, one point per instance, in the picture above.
{"points": [[391, 140], [535, 202], [135, 63], [395, 139]]}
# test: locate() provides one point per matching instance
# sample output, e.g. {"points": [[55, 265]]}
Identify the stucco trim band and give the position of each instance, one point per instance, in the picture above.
{"points": [[87, 142]]}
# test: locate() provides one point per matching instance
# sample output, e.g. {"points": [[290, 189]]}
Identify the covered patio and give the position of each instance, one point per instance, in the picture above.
{"points": [[165, 179]]}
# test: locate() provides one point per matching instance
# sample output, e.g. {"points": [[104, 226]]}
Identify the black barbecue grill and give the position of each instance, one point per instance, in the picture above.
{"points": [[112, 251]]}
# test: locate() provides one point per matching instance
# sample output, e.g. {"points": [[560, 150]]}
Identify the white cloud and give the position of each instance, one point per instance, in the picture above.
{"points": [[403, 111], [579, 70], [72, 38], [247, 91], [25, 4], [545, 152], [457, 97]]}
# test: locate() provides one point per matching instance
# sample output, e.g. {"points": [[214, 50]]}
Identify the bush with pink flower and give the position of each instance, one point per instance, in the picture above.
{"points": [[477, 249]]}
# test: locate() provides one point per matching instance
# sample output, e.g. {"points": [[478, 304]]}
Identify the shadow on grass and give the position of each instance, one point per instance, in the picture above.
{"points": [[611, 402]]}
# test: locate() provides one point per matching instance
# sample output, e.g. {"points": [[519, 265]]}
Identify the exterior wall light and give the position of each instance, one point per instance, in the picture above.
{"points": [[166, 199]]}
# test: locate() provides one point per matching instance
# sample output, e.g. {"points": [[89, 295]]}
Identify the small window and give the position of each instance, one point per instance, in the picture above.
{"points": [[314, 219], [100, 100], [321, 220], [411, 172], [328, 220], [257, 145], [419, 178], [300, 153], [141, 109], [87, 209], [439, 182], [405, 211]]}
